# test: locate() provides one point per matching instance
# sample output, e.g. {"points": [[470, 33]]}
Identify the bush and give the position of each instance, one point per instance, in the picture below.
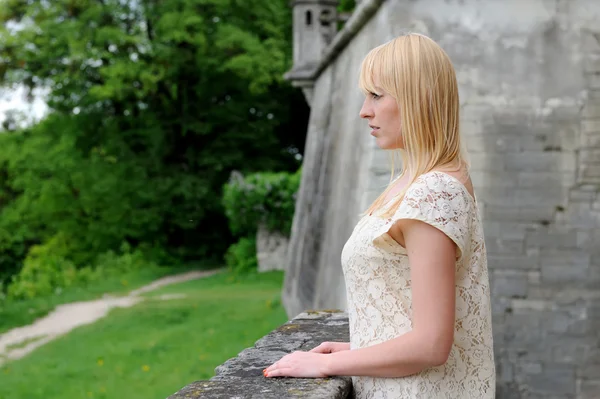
{"points": [[241, 256], [47, 270], [266, 197]]}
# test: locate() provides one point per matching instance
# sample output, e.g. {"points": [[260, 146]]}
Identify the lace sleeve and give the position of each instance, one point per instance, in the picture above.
{"points": [[438, 200]]}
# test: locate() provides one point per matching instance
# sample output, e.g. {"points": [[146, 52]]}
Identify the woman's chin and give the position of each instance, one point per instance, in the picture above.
{"points": [[386, 144]]}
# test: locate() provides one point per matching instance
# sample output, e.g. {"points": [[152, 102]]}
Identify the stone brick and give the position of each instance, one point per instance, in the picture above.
{"points": [[513, 262], [494, 196], [505, 246], [590, 140], [507, 230], [544, 179], [556, 379], [521, 306], [593, 80], [513, 285], [491, 143], [591, 110], [590, 42], [552, 238], [589, 389], [589, 371], [539, 161], [589, 126], [579, 217], [564, 266], [581, 195], [589, 155], [591, 62], [482, 180], [590, 170], [558, 322], [570, 350], [487, 161], [550, 195]]}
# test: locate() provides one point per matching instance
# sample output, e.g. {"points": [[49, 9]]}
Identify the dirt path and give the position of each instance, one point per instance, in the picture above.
{"points": [[20, 341]]}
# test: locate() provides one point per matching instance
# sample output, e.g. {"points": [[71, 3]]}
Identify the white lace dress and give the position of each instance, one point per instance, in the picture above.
{"points": [[377, 275]]}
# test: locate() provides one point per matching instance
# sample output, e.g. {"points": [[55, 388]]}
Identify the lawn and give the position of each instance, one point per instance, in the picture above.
{"points": [[154, 348], [19, 313]]}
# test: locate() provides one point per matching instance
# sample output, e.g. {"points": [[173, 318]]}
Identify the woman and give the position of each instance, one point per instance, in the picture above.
{"points": [[415, 265]]}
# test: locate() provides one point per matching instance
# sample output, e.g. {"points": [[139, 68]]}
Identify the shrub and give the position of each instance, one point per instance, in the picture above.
{"points": [[47, 270], [265, 197], [241, 256]]}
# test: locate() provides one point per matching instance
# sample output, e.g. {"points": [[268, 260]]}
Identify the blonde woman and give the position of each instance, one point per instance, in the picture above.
{"points": [[415, 265]]}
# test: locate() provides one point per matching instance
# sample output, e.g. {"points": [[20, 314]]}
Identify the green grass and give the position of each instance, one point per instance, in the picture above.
{"points": [[22, 312], [152, 349]]}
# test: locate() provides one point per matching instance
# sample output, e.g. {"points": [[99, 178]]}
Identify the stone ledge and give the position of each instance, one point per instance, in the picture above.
{"points": [[241, 377]]}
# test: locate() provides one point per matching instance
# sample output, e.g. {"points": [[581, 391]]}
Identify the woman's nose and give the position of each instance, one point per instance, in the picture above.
{"points": [[365, 111]]}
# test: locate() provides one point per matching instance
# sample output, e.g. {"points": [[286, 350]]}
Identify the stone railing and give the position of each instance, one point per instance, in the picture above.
{"points": [[241, 377]]}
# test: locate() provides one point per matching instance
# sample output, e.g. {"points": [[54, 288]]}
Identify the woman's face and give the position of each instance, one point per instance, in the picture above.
{"points": [[381, 110]]}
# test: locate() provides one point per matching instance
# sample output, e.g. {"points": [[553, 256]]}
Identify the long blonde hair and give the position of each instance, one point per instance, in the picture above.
{"points": [[419, 75]]}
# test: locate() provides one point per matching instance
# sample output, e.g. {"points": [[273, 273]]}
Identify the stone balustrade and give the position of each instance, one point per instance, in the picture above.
{"points": [[241, 377]]}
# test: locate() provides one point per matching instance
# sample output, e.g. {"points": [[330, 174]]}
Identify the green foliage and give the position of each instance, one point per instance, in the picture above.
{"points": [[46, 269], [240, 258], [346, 5], [268, 198], [153, 104]]}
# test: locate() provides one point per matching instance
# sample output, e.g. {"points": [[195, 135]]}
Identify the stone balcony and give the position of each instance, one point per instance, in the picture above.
{"points": [[241, 377]]}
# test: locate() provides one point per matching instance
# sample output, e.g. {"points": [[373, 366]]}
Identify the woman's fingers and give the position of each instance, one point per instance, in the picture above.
{"points": [[282, 372], [322, 348]]}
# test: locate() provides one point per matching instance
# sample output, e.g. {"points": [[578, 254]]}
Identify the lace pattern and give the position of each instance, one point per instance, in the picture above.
{"points": [[377, 276]]}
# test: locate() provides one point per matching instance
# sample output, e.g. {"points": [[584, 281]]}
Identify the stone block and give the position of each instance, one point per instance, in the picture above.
{"points": [[534, 161], [591, 63], [530, 197], [589, 372], [590, 140], [589, 155], [513, 262], [565, 266], [271, 249], [487, 161], [593, 80], [556, 379], [544, 238], [482, 180], [512, 285], [570, 350], [591, 110], [505, 246], [589, 126], [590, 172], [589, 389]]}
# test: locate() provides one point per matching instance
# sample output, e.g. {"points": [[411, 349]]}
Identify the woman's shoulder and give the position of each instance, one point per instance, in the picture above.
{"points": [[443, 183]]}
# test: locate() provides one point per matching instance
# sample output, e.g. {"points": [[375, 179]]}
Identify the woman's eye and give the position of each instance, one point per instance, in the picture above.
{"points": [[375, 96]]}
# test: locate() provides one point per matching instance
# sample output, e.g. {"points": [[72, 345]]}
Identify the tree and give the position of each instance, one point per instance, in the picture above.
{"points": [[153, 104]]}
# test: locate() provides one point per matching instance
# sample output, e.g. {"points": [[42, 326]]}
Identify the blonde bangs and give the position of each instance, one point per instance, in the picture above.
{"points": [[377, 71], [366, 81]]}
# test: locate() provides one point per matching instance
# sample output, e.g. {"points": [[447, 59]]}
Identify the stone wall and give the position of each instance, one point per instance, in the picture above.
{"points": [[241, 377], [529, 77]]}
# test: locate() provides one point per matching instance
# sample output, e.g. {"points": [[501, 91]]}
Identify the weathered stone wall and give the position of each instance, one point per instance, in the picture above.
{"points": [[529, 76], [241, 377]]}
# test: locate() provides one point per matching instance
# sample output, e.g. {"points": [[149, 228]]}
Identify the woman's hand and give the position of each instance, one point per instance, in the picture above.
{"points": [[299, 364], [331, 347]]}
